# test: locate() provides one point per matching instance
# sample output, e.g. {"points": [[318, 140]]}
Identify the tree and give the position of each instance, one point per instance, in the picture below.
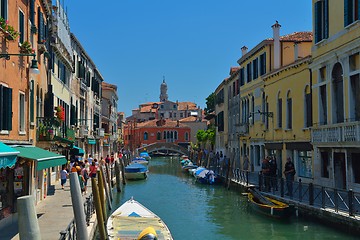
{"points": [[201, 136], [210, 103]]}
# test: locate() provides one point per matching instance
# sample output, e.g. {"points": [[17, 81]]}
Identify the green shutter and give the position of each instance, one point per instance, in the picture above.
{"points": [[40, 26], [32, 11], [3, 12], [317, 21], [32, 101], [21, 27], [326, 18], [7, 94]]}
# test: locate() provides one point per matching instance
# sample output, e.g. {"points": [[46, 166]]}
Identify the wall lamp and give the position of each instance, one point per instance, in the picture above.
{"points": [[34, 66]]}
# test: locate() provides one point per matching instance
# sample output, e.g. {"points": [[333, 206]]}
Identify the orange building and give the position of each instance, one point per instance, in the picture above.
{"points": [[155, 131]]}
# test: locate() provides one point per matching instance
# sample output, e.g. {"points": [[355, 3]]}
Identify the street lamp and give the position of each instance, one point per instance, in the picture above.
{"points": [[34, 66]]}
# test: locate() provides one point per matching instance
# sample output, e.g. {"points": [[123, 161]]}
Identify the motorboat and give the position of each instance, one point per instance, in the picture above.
{"points": [[136, 171], [134, 221], [145, 155], [140, 160]]}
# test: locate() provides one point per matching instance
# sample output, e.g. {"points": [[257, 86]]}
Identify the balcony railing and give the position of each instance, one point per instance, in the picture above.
{"points": [[341, 132], [50, 129]]}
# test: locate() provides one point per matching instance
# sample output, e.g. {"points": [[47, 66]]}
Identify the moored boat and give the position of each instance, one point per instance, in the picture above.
{"points": [[140, 160], [136, 171], [145, 155], [269, 206], [134, 221]]}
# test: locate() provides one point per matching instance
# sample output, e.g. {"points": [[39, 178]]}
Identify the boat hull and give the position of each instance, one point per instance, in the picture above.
{"points": [[131, 219], [135, 175], [278, 210]]}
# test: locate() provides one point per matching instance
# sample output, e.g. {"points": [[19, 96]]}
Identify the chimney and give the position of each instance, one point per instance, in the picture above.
{"points": [[244, 50], [296, 51], [276, 35]]}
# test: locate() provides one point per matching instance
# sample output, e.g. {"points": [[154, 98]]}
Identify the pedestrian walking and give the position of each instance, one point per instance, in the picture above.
{"points": [[289, 173], [93, 170], [81, 179], [63, 175]]}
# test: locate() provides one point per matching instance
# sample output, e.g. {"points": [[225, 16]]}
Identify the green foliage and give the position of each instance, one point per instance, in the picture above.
{"points": [[211, 135], [210, 103], [26, 47], [201, 136]]}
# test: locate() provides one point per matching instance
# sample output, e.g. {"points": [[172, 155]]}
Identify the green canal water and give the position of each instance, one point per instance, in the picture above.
{"points": [[195, 211]]}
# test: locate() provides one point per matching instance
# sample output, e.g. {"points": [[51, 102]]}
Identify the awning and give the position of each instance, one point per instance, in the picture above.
{"points": [[300, 146], [77, 151], [7, 156], [273, 146], [91, 141], [45, 159]]}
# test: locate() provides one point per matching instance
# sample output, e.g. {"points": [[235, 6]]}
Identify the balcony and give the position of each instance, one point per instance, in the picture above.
{"points": [[340, 133], [49, 129]]}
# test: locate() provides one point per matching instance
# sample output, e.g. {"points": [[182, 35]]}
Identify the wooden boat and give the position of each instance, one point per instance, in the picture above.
{"points": [[134, 221], [136, 171], [140, 160], [269, 206]]}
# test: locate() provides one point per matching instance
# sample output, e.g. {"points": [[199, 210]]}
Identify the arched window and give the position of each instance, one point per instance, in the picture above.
{"points": [[186, 136], [279, 111], [164, 135], [158, 136], [176, 135], [168, 135], [289, 111], [146, 136], [338, 92], [308, 107]]}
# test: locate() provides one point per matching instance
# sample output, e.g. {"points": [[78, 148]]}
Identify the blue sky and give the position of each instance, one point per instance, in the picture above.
{"points": [[134, 43]]}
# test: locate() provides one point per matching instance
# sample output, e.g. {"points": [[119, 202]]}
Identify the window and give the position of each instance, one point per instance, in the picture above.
{"points": [[325, 164], [305, 164], [6, 108], [355, 167], [351, 11], [248, 71], [220, 121], [263, 64], [220, 97], [181, 115], [174, 115], [22, 112], [21, 27], [170, 115], [321, 20], [164, 135], [162, 106], [3, 9], [255, 68], [289, 113], [308, 107], [41, 27], [323, 105], [338, 92], [186, 136], [175, 135], [234, 89], [158, 136], [146, 136], [237, 87], [31, 101], [174, 106], [242, 77], [279, 112]]}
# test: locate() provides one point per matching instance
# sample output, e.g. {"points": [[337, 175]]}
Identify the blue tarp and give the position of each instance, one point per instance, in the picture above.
{"points": [[144, 154], [135, 167]]}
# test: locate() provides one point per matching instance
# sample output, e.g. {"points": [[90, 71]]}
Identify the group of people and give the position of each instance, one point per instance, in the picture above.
{"points": [[269, 171], [85, 169]]}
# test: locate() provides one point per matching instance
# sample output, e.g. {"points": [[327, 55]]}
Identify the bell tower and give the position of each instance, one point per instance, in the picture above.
{"points": [[163, 91]]}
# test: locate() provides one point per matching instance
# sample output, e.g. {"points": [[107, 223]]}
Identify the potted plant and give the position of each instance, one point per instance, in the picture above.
{"points": [[60, 113], [10, 32], [26, 48]]}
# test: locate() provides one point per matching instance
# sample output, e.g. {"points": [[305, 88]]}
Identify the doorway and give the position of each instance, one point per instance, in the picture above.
{"points": [[339, 170]]}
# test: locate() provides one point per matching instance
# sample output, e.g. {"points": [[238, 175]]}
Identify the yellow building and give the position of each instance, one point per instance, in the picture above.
{"points": [[256, 112], [336, 90]]}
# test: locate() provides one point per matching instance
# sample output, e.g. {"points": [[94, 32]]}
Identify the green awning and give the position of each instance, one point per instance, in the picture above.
{"points": [[7, 156], [77, 151], [91, 141], [44, 158]]}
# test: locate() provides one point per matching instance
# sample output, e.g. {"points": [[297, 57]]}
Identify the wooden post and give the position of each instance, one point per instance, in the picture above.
{"points": [[108, 200], [117, 175], [109, 181], [101, 194], [98, 209], [122, 171]]}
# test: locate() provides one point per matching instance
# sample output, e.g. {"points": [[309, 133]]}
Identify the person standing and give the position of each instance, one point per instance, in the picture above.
{"points": [[265, 171], [63, 176], [246, 163], [289, 173], [90, 159], [93, 170]]}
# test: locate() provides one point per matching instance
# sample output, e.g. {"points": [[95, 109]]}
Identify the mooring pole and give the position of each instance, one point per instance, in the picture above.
{"points": [[27, 220]]}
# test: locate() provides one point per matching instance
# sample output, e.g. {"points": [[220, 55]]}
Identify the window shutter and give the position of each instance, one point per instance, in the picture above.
{"points": [[21, 27], [326, 18], [72, 115], [32, 101], [3, 12], [32, 11], [289, 102], [40, 26], [7, 93]]}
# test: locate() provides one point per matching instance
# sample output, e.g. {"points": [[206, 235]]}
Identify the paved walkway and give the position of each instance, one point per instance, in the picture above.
{"points": [[55, 213]]}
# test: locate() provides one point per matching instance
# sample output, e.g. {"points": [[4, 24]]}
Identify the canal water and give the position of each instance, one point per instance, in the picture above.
{"points": [[195, 211]]}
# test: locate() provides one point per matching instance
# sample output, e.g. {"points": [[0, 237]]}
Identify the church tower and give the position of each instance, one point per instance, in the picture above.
{"points": [[163, 91]]}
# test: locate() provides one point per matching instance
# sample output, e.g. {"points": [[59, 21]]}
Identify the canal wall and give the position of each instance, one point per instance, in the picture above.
{"points": [[340, 219]]}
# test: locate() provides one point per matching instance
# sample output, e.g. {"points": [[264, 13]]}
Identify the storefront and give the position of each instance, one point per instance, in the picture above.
{"points": [[43, 164], [8, 180]]}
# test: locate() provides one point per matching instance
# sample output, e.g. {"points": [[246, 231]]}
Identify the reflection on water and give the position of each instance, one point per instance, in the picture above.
{"points": [[195, 211]]}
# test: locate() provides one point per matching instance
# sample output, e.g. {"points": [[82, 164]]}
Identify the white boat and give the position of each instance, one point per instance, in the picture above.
{"points": [[134, 221], [140, 160], [136, 171]]}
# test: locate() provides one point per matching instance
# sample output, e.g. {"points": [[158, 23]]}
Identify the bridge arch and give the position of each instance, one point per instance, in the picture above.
{"points": [[156, 147]]}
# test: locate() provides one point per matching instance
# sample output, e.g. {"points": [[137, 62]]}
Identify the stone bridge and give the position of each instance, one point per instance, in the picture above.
{"points": [[164, 148]]}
